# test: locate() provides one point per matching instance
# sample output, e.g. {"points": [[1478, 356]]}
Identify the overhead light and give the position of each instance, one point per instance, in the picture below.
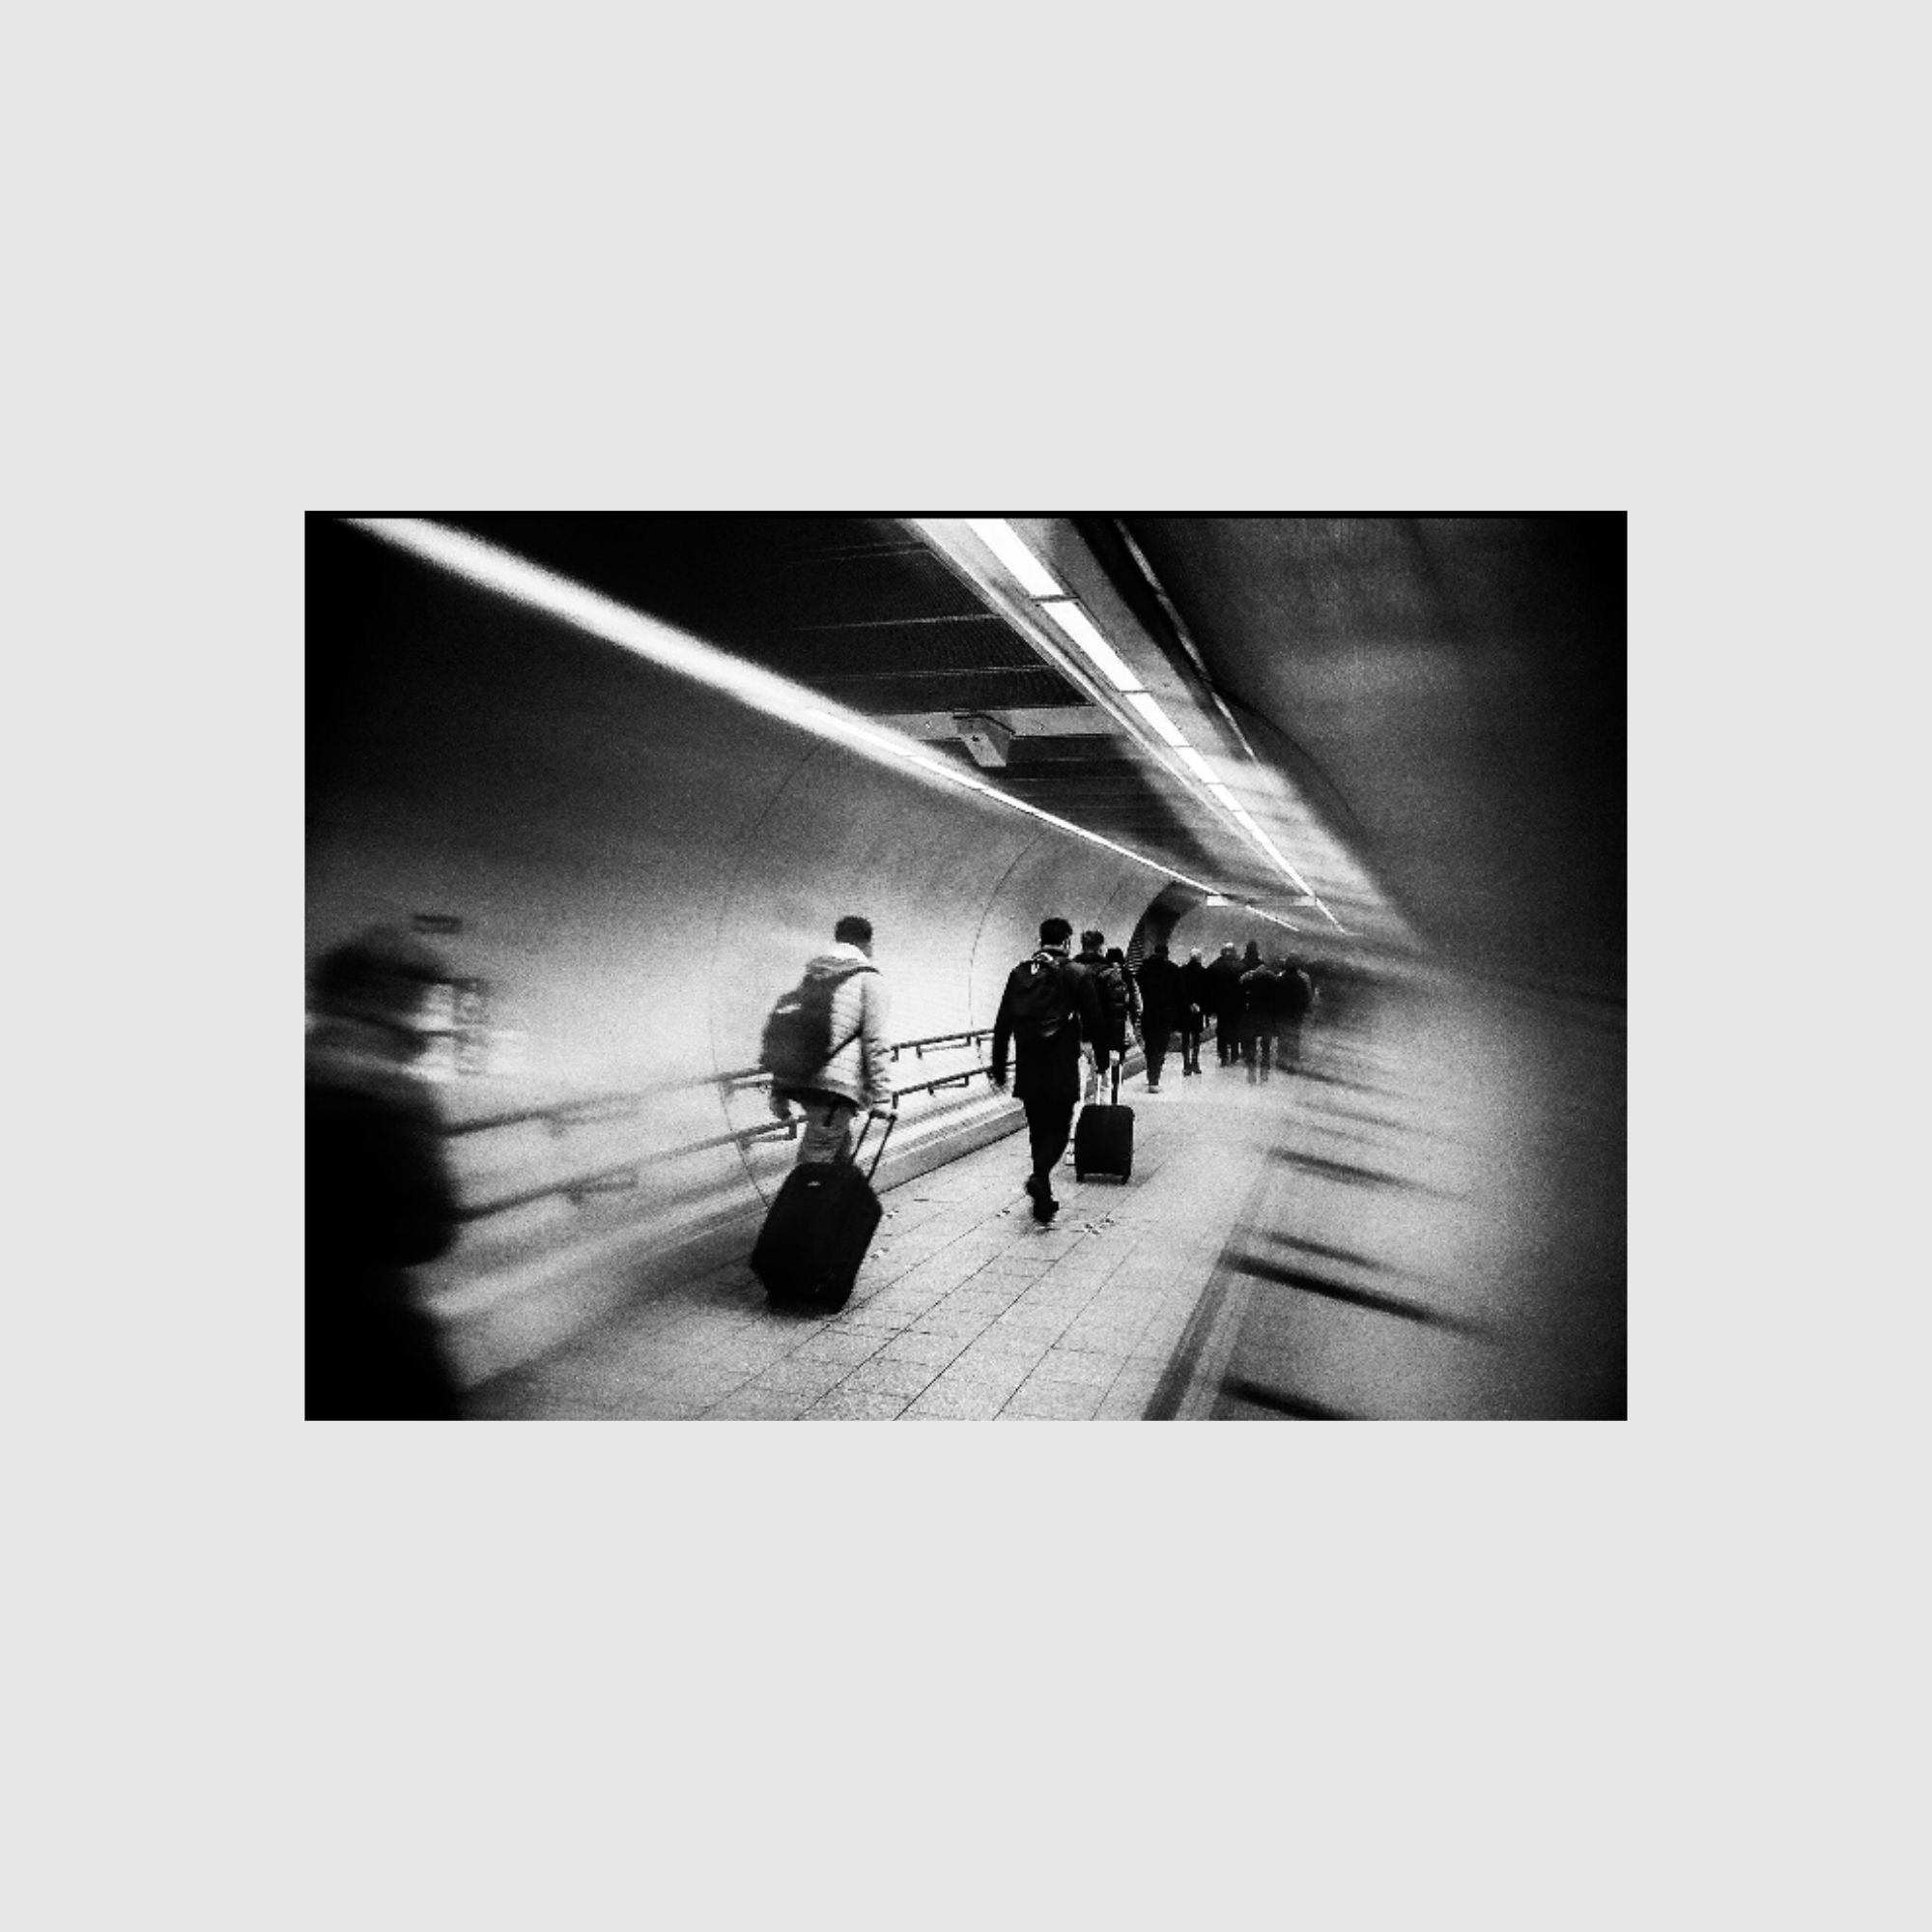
{"points": [[1005, 543], [1078, 626], [1215, 898], [1222, 792], [1155, 717], [1198, 765], [588, 611]]}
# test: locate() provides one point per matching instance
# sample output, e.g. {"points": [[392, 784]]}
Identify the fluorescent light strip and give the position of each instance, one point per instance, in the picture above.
{"points": [[1155, 716], [798, 706], [1081, 628], [795, 704], [1010, 548], [1078, 626]]}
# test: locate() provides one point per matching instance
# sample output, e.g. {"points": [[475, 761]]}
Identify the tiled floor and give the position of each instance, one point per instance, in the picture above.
{"points": [[1427, 1223], [966, 1308]]}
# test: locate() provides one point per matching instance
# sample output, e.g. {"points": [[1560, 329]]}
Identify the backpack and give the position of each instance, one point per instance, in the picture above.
{"points": [[1038, 998], [1111, 988], [798, 1032]]}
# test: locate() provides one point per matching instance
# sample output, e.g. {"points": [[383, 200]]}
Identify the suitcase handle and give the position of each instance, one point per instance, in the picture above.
{"points": [[1117, 1083], [891, 1117]]}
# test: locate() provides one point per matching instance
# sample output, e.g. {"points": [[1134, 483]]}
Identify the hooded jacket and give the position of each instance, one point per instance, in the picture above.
{"points": [[861, 1068]]}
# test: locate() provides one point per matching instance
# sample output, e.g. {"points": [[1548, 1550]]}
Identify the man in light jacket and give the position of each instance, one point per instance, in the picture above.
{"points": [[858, 1071]]}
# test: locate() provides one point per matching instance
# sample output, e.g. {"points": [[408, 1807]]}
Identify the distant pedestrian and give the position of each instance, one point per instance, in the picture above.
{"points": [[1223, 979], [1119, 960], [1294, 1000], [1261, 997], [1163, 1008], [1197, 1002], [380, 1197], [826, 1045], [1049, 1003], [1117, 998]]}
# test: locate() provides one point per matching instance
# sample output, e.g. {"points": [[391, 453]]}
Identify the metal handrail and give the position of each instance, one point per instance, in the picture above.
{"points": [[588, 1109], [919, 1046], [626, 1175], [623, 1175]]}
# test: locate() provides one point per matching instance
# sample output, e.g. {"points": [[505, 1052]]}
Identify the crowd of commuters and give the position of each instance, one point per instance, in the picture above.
{"points": [[381, 1197]]}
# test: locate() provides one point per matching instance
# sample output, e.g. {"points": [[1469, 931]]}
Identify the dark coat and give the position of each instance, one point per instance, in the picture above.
{"points": [[379, 1200], [1115, 996], [1163, 992], [1197, 990], [1224, 982], [1053, 1068]]}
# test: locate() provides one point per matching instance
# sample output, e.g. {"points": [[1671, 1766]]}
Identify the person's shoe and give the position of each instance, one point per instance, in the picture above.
{"points": [[1044, 1208], [1154, 1086]]}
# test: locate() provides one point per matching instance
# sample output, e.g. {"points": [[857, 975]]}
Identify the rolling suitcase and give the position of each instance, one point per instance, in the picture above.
{"points": [[1103, 1139], [817, 1233]]}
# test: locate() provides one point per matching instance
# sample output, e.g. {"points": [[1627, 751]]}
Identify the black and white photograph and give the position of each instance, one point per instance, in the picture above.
{"points": [[1055, 715], [1073, 967]]}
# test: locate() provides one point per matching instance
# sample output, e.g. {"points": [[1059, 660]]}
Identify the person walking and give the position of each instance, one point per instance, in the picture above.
{"points": [[1118, 960], [1111, 989], [1293, 998], [1261, 991], [833, 1056], [1225, 984], [1048, 1007], [1163, 1006], [1196, 1003], [380, 1195]]}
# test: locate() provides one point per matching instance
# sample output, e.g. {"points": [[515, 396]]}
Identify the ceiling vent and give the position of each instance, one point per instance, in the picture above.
{"points": [[986, 738]]}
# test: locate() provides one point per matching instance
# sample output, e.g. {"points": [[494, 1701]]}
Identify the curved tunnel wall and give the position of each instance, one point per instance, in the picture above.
{"points": [[641, 866]]}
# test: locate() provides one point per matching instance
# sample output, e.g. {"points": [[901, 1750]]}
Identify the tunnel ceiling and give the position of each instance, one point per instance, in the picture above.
{"points": [[860, 610], [1443, 697]]}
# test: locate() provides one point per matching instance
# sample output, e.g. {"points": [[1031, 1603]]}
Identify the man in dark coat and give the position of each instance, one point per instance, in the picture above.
{"points": [[1261, 994], [1048, 1007], [380, 1195], [1224, 979], [1163, 1005], [1197, 997]]}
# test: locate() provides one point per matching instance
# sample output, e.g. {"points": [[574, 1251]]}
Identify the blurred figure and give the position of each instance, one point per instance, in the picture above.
{"points": [[1223, 984], [1261, 997], [1047, 1004], [379, 1196], [837, 1058], [1164, 1006], [1294, 998], [1196, 996]]}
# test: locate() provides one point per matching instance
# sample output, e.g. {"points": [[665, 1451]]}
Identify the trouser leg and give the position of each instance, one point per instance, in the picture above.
{"points": [[827, 1132], [1049, 1128], [1156, 1053]]}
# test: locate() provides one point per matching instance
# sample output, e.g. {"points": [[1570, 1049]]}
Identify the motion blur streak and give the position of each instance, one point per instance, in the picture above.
{"points": [[497, 569]]}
